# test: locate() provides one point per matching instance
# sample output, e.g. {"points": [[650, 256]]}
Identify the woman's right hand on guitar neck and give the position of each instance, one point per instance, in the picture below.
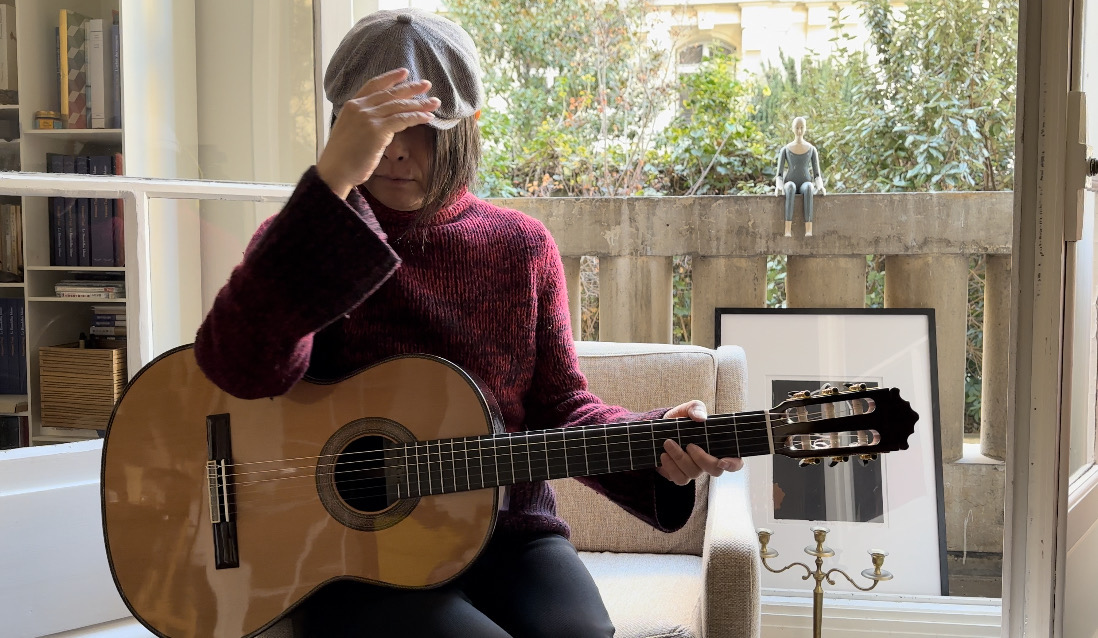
{"points": [[366, 125]]}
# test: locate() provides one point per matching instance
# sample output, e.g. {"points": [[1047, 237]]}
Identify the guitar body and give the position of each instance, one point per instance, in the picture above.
{"points": [[293, 531]]}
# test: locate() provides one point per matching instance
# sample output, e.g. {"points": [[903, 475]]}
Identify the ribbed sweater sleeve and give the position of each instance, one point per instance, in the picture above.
{"points": [[317, 259], [560, 393]]}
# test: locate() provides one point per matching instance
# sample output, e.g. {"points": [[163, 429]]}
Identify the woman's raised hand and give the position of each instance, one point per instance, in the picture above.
{"points": [[366, 124]]}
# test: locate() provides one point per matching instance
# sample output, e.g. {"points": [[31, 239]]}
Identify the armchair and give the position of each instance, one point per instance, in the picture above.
{"points": [[702, 581]]}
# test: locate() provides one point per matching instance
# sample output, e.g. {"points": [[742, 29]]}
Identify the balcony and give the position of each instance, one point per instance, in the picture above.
{"points": [[927, 239]]}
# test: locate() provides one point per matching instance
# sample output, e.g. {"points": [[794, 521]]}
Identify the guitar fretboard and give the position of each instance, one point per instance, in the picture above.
{"points": [[471, 463]]}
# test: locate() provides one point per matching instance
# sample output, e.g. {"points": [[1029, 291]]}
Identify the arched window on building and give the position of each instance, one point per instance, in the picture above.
{"points": [[692, 54]]}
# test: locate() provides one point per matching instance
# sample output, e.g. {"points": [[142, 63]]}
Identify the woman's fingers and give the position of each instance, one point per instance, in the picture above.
{"points": [[670, 470], [381, 82]]}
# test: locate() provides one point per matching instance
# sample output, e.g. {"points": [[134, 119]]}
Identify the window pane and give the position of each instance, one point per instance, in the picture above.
{"points": [[256, 99]]}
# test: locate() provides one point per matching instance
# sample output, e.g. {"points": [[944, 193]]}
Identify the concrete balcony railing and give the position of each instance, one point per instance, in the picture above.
{"points": [[927, 239]]}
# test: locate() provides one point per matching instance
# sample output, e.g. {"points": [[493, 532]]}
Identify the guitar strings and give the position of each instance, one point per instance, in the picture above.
{"points": [[373, 489], [454, 453], [749, 436]]}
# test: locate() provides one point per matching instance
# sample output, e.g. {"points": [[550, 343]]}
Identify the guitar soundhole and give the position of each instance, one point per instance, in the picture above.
{"points": [[360, 474], [351, 479]]}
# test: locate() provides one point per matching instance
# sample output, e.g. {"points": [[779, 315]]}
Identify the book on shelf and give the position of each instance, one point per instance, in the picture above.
{"points": [[100, 74], [85, 231], [72, 29], [101, 224], [71, 256], [109, 331], [14, 432], [116, 81], [13, 350], [56, 214], [9, 69], [11, 243], [21, 344], [59, 434], [83, 218], [117, 218]]}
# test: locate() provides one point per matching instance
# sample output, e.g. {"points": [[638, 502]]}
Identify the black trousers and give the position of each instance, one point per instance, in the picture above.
{"points": [[534, 587]]}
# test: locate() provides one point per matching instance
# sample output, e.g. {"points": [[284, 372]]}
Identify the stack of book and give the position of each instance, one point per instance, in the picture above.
{"points": [[92, 286], [108, 322], [88, 71]]}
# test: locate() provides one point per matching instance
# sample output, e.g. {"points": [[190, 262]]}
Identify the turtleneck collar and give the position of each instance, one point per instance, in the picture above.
{"points": [[457, 204]]}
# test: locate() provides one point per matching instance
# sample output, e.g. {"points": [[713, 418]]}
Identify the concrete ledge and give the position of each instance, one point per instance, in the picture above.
{"points": [[745, 225]]}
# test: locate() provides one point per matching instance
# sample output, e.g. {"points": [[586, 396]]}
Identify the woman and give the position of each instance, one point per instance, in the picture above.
{"points": [[382, 250], [798, 171]]}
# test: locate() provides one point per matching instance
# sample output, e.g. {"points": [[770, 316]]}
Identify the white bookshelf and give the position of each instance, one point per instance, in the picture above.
{"points": [[49, 320]]}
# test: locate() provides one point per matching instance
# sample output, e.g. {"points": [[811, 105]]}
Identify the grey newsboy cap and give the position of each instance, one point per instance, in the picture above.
{"points": [[429, 46]]}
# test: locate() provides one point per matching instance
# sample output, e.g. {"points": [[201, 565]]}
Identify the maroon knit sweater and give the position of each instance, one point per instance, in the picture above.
{"points": [[329, 286]]}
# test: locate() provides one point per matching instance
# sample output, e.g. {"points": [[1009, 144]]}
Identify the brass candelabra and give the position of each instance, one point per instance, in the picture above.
{"points": [[820, 551]]}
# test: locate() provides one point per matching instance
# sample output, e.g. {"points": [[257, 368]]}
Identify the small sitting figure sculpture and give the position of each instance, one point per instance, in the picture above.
{"points": [[799, 171]]}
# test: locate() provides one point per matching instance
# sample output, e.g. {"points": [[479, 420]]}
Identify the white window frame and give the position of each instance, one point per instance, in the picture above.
{"points": [[1037, 494]]}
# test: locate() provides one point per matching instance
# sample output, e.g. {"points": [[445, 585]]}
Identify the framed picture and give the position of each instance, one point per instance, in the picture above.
{"points": [[894, 503]]}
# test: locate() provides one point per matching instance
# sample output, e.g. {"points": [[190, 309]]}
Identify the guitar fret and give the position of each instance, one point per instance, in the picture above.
{"points": [[503, 478], [464, 464], [696, 433], [619, 455], [556, 459], [480, 457], [577, 453], [511, 445], [655, 454], [545, 445], [564, 447], [736, 429], [629, 446], [407, 476], [535, 452], [453, 463], [428, 465]]}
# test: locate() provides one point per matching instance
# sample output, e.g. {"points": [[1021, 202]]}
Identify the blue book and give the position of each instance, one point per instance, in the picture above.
{"points": [[83, 218], [21, 344]]}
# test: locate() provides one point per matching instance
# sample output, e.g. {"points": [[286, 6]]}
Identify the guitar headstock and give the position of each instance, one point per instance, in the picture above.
{"points": [[839, 424]]}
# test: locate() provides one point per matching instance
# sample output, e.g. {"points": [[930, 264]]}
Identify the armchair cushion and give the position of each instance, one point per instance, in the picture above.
{"points": [[640, 377]]}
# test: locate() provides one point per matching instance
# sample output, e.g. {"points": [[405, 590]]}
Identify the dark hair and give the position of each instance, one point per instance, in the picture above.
{"points": [[454, 165]]}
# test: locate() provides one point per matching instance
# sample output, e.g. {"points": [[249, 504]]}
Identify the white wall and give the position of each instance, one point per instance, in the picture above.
{"points": [[53, 559]]}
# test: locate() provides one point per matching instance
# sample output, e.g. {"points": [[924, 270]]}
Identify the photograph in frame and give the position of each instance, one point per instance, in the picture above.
{"points": [[894, 503]]}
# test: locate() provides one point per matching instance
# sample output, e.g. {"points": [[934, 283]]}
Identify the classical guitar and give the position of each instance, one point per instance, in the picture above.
{"points": [[221, 514]]}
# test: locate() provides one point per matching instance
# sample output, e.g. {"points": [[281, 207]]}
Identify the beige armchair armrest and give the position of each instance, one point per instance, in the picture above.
{"points": [[730, 560]]}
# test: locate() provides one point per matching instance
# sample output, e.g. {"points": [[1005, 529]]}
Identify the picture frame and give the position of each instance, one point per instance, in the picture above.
{"points": [[895, 503]]}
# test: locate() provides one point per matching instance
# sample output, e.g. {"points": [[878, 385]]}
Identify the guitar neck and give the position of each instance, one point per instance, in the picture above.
{"points": [[451, 465]]}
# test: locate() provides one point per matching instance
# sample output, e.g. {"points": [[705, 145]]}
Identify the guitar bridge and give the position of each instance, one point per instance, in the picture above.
{"points": [[222, 493]]}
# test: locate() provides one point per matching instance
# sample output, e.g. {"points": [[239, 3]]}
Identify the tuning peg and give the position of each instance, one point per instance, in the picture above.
{"points": [[826, 390], [799, 394], [855, 387], [807, 462], [835, 460], [866, 458]]}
